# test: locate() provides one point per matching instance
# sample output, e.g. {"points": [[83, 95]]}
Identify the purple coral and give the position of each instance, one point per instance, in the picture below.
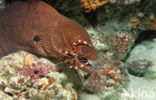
{"points": [[39, 70]]}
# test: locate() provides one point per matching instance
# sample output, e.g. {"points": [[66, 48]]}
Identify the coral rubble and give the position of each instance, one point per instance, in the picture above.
{"points": [[27, 77]]}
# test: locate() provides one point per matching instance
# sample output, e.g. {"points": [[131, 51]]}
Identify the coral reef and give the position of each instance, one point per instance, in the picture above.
{"points": [[123, 63], [89, 5], [124, 1], [117, 17], [109, 38], [110, 74], [41, 81]]}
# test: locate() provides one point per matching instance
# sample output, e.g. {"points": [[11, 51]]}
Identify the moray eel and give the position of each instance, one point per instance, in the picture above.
{"points": [[36, 27]]}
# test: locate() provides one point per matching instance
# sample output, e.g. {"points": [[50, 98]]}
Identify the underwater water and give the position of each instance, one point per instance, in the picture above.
{"points": [[100, 50]]}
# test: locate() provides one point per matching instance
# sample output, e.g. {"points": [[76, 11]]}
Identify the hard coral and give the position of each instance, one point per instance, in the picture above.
{"points": [[42, 81], [109, 67], [38, 71], [89, 5], [103, 78]]}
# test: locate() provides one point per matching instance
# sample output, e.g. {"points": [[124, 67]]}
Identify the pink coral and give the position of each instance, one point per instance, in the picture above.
{"points": [[123, 42], [39, 70], [108, 72]]}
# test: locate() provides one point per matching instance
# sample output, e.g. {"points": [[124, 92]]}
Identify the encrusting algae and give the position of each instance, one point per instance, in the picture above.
{"points": [[32, 78]]}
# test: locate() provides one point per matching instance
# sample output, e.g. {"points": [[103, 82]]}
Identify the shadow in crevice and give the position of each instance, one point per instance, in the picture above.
{"points": [[145, 35], [91, 17]]}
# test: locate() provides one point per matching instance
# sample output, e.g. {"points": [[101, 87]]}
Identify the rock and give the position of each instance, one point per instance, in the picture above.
{"points": [[39, 82], [89, 97], [142, 88], [139, 89]]}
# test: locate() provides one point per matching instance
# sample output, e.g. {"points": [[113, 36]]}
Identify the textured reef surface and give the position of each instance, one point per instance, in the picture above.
{"points": [[123, 33], [27, 77]]}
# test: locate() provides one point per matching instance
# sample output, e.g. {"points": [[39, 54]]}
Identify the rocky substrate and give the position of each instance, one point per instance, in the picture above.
{"points": [[24, 76]]}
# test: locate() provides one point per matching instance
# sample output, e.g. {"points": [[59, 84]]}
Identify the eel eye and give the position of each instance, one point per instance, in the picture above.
{"points": [[36, 38], [83, 49]]}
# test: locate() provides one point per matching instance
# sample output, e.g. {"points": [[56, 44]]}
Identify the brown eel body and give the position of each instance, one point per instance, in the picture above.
{"points": [[36, 27]]}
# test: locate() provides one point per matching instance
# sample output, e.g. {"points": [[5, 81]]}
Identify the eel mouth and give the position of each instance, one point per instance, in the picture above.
{"points": [[83, 60]]}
